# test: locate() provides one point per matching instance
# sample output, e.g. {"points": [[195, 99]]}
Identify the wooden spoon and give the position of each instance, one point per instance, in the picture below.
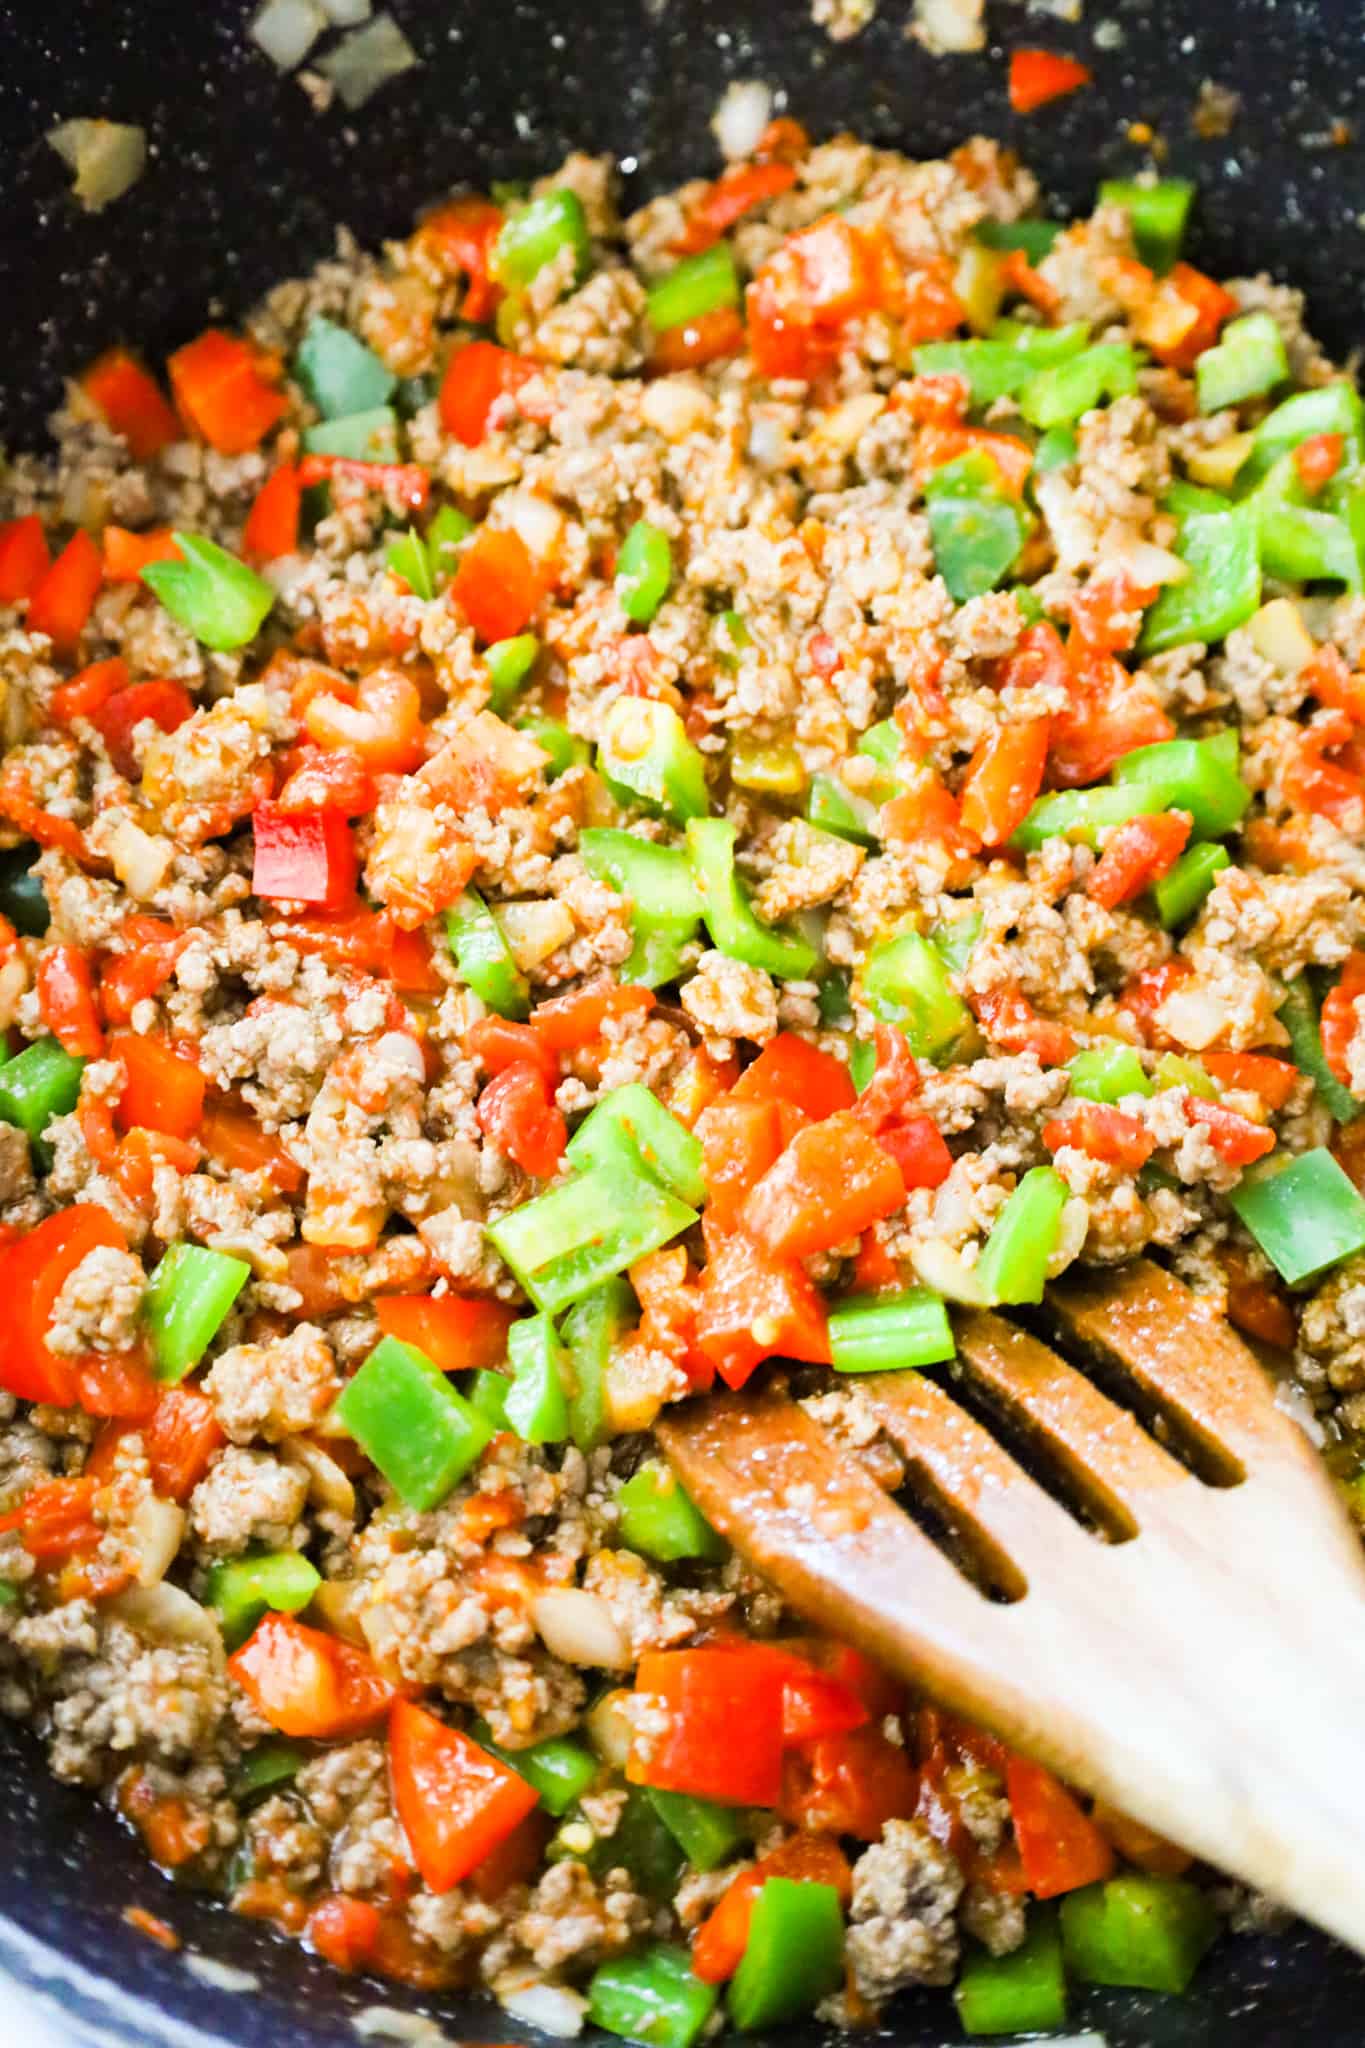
{"points": [[1185, 1638]]}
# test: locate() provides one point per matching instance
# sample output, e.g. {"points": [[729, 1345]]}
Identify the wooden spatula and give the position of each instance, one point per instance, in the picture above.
{"points": [[1186, 1639]]}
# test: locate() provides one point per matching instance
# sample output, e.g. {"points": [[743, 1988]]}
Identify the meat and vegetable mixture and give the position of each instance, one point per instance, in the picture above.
{"points": [[590, 805]]}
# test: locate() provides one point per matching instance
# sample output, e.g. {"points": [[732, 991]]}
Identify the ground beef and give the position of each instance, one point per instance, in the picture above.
{"points": [[901, 1928]]}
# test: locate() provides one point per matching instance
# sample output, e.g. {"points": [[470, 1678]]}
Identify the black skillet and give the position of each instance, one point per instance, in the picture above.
{"points": [[245, 187]]}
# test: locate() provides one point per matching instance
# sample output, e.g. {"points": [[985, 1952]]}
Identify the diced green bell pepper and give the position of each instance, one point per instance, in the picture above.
{"points": [[883, 742], [660, 1520], [240, 1590], [1034, 237], [23, 900], [832, 808], [484, 957], [1183, 887], [794, 1956], [559, 1770], [1222, 590], [1147, 1932], [1299, 1015], [726, 909], [651, 1997], [487, 1395], [1157, 214], [862, 1062], [906, 982], [410, 1422], [339, 373], [39, 1083], [509, 663], [1056, 397], [708, 1834], [665, 906], [537, 1407], [888, 1332], [1328, 409], [186, 1304], [1106, 1073], [1248, 361], [647, 758], [1057, 449], [1304, 1213], [267, 1765], [370, 436], [209, 592], [976, 528], [644, 1845], [534, 234], [644, 570], [1083, 814], [1013, 1266], [1001, 364], [1302, 545], [1023, 1992], [564, 749], [592, 1329], [1191, 775], [698, 285], [444, 536], [578, 1233], [1173, 1070], [631, 1127], [406, 556], [954, 940]]}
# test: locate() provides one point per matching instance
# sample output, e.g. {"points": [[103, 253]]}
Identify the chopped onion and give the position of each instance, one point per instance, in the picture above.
{"points": [[368, 58], [347, 13], [1146, 565], [745, 109], [1280, 637], [1071, 1235], [539, 523], [949, 26], [535, 930], [157, 1529], [387, 2023], [946, 1271], [140, 862], [551, 2007], [580, 1628], [286, 30], [107, 157], [220, 1976], [328, 1485], [167, 1614], [609, 1727]]}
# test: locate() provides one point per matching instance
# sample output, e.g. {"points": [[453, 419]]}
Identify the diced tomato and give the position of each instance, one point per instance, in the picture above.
{"points": [[131, 977], [405, 484], [1106, 613], [56, 1519], [160, 702], [1108, 713], [310, 1685], [918, 1148], [1006, 1016], [476, 377], [1236, 1139], [736, 192], [925, 812], [1147, 992], [327, 778], [931, 310], [458, 1332], [849, 1784], [740, 1140], [180, 1440], [709, 339], [116, 1383], [1017, 274], [754, 1307], [1270, 1078], [890, 1095], [723, 1737], [1102, 1132], [1327, 677], [801, 297], [832, 1182], [455, 1801], [791, 1069], [1037, 76], [383, 726], [231, 1134], [1060, 1845], [23, 557], [517, 1113], [1257, 1304], [719, 1943], [1003, 777], [86, 692], [303, 857], [33, 1271], [132, 403], [567, 1022], [60, 602], [497, 584], [1326, 789], [345, 1931], [459, 236], [500, 1043], [1137, 854], [1318, 459], [66, 998], [162, 1091], [126, 554], [222, 392], [1181, 315], [272, 525]]}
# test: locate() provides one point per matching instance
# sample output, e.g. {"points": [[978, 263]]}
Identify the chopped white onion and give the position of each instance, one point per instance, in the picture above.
{"points": [[579, 1627], [141, 862], [107, 157], [1292, 1401], [387, 2023], [609, 1727], [220, 1976], [535, 930], [533, 518], [745, 109], [1278, 634], [347, 13], [1146, 565], [157, 1529], [368, 58], [947, 27], [167, 1614], [946, 1271], [400, 1049], [552, 2007], [1071, 1235], [286, 30], [328, 1485]]}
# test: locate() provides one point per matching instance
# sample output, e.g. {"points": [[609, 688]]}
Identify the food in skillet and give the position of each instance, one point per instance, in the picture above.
{"points": [[593, 806]]}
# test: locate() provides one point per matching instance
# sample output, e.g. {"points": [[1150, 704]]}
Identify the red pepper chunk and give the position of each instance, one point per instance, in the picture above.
{"points": [[1037, 76], [755, 1307], [1006, 1015], [272, 524], [790, 1069], [735, 193], [566, 1023], [458, 1332], [1060, 1845], [55, 1521], [162, 1091], [127, 554], [180, 1440], [23, 557], [222, 393], [1102, 1132], [895, 1084], [517, 1112], [1137, 854], [1236, 1139], [849, 1784], [310, 1685], [740, 1140], [1260, 1072], [160, 701], [919, 1150], [1004, 775], [60, 602], [719, 1944], [833, 1181], [132, 403], [801, 297], [723, 1739], [303, 857], [456, 1802], [66, 998], [497, 584], [33, 1272], [405, 484], [86, 692], [1109, 712], [710, 338], [476, 377], [500, 1043]]}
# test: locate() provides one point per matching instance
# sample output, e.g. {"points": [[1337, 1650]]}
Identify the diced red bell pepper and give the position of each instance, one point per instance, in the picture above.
{"points": [[33, 1271], [230, 1133], [1102, 1132], [1205, 302], [129, 978], [1006, 1015], [459, 236], [849, 1784], [517, 1113], [755, 1307], [346, 1931], [1037, 76], [890, 1095], [1327, 677], [1236, 1139], [456, 1802], [126, 554], [815, 1703], [61, 600], [272, 524], [162, 1092], [739, 1141], [919, 1150], [719, 1943], [116, 1383], [132, 403], [833, 1181], [310, 1685], [497, 584], [303, 857], [1272, 1079], [55, 1520], [405, 484], [930, 310], [1108, 713], [710, 339], [380, 721], [1003, 777], [500, 1044], [516, 1859], [566, 1023], [801, 297], [86, 692], [161, 701], [222, 393], [1011, 458], [697, 1083], [458, 1332], [1147, 992], [1060, 1845], [1017, 274], [735, 193], [180, 1441], [925, 814], [1137, 853], [327, 778], [1106, 615], [791, 1069], [476, 377], [66, 998], [723, 1739], [23, 557]]}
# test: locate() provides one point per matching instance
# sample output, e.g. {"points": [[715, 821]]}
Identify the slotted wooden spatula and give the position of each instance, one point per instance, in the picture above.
{"points": [[1187, 1640]]}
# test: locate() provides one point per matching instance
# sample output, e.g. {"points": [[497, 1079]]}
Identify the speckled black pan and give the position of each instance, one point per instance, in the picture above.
{"points": [[245, 186]]}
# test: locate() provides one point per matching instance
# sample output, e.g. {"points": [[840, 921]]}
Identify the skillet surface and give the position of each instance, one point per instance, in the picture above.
{"points": [[245, 187]]}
